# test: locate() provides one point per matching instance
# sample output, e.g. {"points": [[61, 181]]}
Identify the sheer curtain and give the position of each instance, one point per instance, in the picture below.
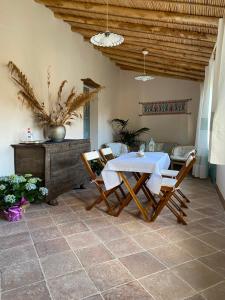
{"points": [[201, 168], [217, 151]]}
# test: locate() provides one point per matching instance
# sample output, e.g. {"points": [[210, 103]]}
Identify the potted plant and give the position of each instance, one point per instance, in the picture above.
{"points": [[62, 112], [127, 136], [17, 192]]}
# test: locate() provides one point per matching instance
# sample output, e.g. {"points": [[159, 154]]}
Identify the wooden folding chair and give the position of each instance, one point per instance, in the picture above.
{"points": [[89, 159], [169, 188], [179, 195], [107, 154]]}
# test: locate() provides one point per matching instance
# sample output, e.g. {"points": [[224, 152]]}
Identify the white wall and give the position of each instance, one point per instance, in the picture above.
{"points": [[168, 128], [34, 39]]}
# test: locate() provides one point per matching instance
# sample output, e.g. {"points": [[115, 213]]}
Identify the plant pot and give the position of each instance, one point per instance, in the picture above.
{"points": [[56, 133], [13, 214]]}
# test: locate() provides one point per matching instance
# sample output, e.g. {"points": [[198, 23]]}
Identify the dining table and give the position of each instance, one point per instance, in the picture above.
{"points": [[146, 168]]}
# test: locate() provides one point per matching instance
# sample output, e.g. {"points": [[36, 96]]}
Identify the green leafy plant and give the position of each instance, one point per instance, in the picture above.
{"points": [[125, 135]]}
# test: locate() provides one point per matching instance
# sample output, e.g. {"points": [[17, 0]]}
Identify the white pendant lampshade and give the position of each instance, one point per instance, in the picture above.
{"points": [[144, 77], [107, 38]]}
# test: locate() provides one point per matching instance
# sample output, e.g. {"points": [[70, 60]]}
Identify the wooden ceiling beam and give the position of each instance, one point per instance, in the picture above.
{"points": [[125, 67], [157, 37], [212, 8], [154, 71], [78, 13], [133, 12], [162, 53], [139, 28], [157, 65], [146, 41], [151, 58]]}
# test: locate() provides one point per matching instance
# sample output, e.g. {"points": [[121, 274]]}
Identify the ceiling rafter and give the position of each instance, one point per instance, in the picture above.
{"points": [[179, 34]]}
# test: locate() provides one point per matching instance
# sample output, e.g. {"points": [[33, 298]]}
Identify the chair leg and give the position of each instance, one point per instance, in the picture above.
{"points": [[182, 195], [179, 217], [177, 207], [122, 192], [182, 204], [162, 202]]}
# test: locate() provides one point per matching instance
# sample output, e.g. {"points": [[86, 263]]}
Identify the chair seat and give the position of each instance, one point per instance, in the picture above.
{"points": [[168, 182], [169, 173]]}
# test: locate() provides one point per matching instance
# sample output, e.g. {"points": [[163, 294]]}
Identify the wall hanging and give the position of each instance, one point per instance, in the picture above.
{"points": [[167, 107]]}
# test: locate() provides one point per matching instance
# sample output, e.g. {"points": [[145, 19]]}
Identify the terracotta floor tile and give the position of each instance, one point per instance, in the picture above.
{"points": [[108, 275], [174, 234], [17, 255], [14, 240], [40, 223], [16, 276], [215, 261], [37, 291], [83, 239], [97, 223], [47, 233], [107, 234], [89, 214], [72, 228], [197, 275], [13, 228], [61, 209], [74, 286], [65, 218], [95, 297], [132, 228], [214, 239], [60, 264], [195, 247], [195, 297], [141, 264], [195, 228], [94, 255], [171, 255], [48, 247], [150, 240], [166, 286], [212, 223], [123, 247], [216, 292], [36, 214], [131, 291]]}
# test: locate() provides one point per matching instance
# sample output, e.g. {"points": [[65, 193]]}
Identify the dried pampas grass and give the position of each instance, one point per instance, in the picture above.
{"points": [[63, 112]]}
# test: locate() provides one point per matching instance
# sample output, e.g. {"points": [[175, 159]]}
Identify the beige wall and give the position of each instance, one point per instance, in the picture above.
{"points": [[34, 39], [174, 128]]}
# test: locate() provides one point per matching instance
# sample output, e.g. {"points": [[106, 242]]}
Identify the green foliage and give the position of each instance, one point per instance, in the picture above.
{"points": [[125, 135], [13, 188]]}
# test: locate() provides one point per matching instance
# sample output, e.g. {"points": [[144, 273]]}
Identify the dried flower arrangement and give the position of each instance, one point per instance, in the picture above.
{"points": [[63, 112]]}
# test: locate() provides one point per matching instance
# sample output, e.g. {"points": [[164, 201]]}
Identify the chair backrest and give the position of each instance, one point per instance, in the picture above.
{"points": [[186, 169], [106, 154], [90, 159]]}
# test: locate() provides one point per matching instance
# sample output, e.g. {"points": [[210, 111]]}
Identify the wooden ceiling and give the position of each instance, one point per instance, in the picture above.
{"points": [[179, 34]]}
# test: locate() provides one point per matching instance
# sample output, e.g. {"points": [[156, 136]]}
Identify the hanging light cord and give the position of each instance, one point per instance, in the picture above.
{"points": [[107, 16], [144, 65]]}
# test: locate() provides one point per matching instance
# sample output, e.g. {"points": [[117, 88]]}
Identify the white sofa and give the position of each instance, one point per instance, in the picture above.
{"points": [[180, 154], [117, 148]]}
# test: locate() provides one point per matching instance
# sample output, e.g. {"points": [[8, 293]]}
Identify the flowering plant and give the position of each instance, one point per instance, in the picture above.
{"points": [[15, 190]]}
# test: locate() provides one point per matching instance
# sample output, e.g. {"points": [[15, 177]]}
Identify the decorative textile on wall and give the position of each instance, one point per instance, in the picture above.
{"points": [[167, 107]]}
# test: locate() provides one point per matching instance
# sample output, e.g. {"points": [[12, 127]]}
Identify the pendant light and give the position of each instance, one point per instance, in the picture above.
{"points": [[107, 38], [144, 77]]}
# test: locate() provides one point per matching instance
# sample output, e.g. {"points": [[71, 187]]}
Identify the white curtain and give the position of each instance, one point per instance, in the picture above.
{"points": [[203, 126], [217, 151]]}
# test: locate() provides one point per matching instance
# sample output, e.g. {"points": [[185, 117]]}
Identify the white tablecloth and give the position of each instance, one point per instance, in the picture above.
{"points": [[152, 163]]}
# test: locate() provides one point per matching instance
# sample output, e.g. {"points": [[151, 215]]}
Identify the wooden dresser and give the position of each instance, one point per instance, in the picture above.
{"points": [[58, 164]]}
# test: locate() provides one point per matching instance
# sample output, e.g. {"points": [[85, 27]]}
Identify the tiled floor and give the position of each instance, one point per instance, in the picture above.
{"points": [[66, 252]]}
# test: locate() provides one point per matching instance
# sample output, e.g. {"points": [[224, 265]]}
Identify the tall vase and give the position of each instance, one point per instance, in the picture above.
{"points": [[56, 133]]}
